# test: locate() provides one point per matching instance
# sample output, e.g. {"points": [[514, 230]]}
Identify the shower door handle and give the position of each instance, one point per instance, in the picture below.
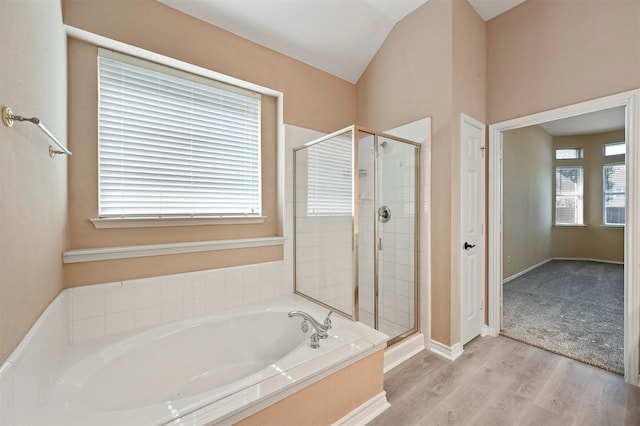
{"points": [[468, 246]]}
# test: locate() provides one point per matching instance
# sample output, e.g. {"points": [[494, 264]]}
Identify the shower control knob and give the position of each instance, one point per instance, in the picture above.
{"points": [[384, 214]]}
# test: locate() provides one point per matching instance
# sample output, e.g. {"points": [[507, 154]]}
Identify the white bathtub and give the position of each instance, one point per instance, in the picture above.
{"points": [[207, 370]]}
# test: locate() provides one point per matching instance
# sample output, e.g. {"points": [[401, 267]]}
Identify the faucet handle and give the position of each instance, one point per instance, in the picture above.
{"points": [[304, 326], [327, 320]]}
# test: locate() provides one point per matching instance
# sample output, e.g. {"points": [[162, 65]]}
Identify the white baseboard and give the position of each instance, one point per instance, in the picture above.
{"points": [[484, 331], [400, 352], [531, 268], [450, 353], [366, 412], [589, 260]]}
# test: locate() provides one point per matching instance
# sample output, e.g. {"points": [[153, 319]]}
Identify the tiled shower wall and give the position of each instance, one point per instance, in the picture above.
{"points": [[397, 258], [324, 260], [396, 251]]}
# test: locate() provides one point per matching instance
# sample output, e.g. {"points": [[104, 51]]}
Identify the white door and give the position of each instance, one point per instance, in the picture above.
{"points": [[472, 214]]}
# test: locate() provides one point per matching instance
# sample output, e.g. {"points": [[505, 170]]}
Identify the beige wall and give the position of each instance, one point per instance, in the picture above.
{"points": [[544, 54], [592, 241], [527, 199], [432, 64], [33, 187], [312, 99]]}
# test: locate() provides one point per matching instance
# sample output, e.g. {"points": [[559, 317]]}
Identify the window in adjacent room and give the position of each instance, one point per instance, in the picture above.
{"points": [[174, 144], [616, 148], [614, 177], [568, 153], [569, 195]]}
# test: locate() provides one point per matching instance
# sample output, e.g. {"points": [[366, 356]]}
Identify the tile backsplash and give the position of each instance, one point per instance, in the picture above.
{"points": [[105, 309]]}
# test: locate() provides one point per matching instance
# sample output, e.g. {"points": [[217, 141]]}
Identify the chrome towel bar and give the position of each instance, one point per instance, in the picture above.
{"points": [[8, 117]]}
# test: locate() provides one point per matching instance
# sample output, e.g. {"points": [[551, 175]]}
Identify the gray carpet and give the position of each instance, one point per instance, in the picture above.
{"points": [[572, 308]]}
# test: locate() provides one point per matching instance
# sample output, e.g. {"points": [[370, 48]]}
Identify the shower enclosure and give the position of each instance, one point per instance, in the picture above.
{"points": [[356, 221]]}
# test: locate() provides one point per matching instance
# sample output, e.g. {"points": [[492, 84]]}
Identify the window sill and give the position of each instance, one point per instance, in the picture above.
{"points": [[569, 226], [154, 222], [612, 226]]}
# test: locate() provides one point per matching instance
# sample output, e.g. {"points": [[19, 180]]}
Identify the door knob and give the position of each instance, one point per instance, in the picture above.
{"points": [[468, 246]]}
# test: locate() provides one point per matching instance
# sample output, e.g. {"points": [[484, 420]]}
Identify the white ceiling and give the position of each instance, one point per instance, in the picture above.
{"points": [[489, 9], [594, 122], [337, 36]]}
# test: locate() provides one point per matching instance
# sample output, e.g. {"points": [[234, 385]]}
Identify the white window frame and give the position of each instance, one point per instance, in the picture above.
{"points": [[173, 220], [606, 192], [613, 144], [578, 196], [576, 151]]}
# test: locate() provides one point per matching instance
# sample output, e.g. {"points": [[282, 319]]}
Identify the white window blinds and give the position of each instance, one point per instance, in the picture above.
{"points": [[175, 144], [330, 179], [569, 191]]}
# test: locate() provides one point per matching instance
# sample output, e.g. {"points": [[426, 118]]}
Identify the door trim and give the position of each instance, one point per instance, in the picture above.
{"points": [[630, 100]]}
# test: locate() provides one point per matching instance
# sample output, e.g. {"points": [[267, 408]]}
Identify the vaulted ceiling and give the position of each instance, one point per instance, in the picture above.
{"points": [[337, 36]]}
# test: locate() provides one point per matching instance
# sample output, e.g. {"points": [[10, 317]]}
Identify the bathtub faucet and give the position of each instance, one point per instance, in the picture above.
{"points": [[320, 329]]}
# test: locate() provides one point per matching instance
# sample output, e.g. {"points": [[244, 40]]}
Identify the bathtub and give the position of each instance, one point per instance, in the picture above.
{"points": [[214, 369]]}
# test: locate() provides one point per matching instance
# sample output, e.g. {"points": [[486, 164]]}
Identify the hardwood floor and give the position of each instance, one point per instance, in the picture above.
{"points": [[498, 381]]}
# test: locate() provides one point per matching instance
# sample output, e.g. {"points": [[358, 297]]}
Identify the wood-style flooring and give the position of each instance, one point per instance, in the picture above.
{"points": [[498, 381]]}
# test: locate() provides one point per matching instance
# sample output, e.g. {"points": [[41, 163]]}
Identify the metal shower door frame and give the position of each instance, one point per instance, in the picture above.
{"points": [[356, 132]]}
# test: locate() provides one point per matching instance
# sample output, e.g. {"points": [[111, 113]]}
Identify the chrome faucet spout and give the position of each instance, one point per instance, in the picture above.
{"points": [[320, 329]]}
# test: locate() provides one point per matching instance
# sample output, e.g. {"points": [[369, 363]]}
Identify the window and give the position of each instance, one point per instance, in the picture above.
{"points": [[569, 190], [330, 178], [568, 153], [614, 177], [175, 144], [617, 148]]}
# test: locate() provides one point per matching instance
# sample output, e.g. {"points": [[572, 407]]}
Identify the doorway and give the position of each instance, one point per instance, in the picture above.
{"points": [[630, 101]]}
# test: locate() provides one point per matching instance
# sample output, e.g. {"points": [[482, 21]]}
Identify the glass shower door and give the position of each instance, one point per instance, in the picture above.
{"points": [[396, 236], [323, 222], [356, 197]]}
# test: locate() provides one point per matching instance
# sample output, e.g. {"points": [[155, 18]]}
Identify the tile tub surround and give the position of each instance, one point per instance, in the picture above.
{"points": [[107, 309]]}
